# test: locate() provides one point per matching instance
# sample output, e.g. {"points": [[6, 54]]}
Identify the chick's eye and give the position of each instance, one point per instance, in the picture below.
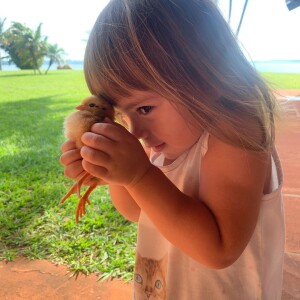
{"points": [[92, 105], [144, 110]]}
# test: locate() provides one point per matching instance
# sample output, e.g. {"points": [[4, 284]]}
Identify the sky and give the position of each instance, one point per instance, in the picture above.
{"points": [[269, 30]]}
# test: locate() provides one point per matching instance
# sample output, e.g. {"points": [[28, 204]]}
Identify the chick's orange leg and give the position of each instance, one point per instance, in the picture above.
{"points": [[80, 182], [76, 187], [82, 202]]}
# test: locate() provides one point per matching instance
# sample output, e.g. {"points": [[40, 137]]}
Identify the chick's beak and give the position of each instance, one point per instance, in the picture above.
{"points": [[80, 107]]}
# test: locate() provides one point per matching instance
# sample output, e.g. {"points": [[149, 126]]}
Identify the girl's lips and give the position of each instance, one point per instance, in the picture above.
{"points": [[158, 148]]}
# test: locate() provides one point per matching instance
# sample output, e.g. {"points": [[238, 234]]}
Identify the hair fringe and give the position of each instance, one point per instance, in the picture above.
{"points": [[185, 52]]}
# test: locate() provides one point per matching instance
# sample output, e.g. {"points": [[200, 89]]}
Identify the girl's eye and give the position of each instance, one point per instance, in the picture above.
{"points": [[144, 110]]}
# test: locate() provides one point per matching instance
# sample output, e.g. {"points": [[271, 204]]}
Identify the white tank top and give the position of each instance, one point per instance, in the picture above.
{"points": [[164, 272]]}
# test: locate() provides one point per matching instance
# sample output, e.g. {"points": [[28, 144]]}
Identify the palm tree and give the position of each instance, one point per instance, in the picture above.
{"points": [[36, 46], [55, 55], [1, 37], [26, 48]]}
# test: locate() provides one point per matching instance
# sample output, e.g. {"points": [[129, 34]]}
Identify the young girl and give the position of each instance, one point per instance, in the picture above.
{"points": [[207, 196]]}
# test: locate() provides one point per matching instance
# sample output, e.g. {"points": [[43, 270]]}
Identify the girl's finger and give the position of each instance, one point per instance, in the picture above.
{"points": [[74, 170], [68, 145], [96, 171], [98, 141], [108, 120], [113, 131], [95, 157], [70, 156]]}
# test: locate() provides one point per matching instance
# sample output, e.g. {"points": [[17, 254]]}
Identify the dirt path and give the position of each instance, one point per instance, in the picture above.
{"points": [[288, 145], [37, 280], [40, 279]]}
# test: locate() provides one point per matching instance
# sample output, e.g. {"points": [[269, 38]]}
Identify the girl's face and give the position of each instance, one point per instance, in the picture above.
{"points": [[159, 124]]}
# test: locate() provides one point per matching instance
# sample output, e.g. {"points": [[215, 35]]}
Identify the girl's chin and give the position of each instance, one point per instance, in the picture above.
{"points": [[162, 148]]}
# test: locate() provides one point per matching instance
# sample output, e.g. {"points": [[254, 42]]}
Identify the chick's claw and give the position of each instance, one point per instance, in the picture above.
{"points": [[83, 201], [76, 188]]}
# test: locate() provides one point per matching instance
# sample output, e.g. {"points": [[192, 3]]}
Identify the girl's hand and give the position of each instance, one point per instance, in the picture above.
{"points": [[114, 154], [72, 161]]}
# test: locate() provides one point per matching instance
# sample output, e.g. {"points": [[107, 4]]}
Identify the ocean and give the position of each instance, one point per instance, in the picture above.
{"points": [[278, 66], [75, 65], [274, 66]]}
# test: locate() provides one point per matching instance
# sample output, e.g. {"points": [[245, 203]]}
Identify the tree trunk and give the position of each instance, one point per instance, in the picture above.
{"points": [[49, 66]]}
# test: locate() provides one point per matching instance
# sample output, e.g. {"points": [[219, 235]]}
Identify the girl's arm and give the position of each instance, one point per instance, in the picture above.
{"points": [[214, 229], [124, 203]]}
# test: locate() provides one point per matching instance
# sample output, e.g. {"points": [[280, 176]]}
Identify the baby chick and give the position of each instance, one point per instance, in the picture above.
{"points": [[92, 110]]}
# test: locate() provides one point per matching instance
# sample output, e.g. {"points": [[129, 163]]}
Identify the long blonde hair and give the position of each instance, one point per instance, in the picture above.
{"points": [[184, 51]]}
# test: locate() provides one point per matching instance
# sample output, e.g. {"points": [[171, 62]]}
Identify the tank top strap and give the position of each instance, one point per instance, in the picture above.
{"points": [[204, 143]]}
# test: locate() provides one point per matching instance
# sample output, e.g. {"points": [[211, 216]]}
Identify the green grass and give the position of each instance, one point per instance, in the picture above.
{"points": [[283, 80], [33, 223]]}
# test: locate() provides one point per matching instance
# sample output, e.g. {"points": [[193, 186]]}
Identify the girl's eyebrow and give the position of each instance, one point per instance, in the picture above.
{"points": [[131, 105], [116, 104], [139, 101]]}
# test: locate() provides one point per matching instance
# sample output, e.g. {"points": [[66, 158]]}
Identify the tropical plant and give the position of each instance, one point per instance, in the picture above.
{"points": [[55, 55], [2, 21], [25, 47], [37, 46]]}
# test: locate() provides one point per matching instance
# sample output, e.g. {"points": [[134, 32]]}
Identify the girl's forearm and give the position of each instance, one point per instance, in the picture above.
{"points": [[124, 203], [188, 224]]}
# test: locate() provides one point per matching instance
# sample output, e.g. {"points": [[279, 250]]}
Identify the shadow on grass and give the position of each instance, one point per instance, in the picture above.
{"points": [[27, 73], [15, 75], [31, 176], [34, 118]]}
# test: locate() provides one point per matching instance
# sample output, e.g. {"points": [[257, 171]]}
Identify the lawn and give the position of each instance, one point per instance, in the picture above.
{"points": [[283, 81], [33, 223]]}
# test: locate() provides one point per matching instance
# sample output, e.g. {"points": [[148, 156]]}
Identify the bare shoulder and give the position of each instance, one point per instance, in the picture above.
{"points": [[231, 185], [236, 164]]}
